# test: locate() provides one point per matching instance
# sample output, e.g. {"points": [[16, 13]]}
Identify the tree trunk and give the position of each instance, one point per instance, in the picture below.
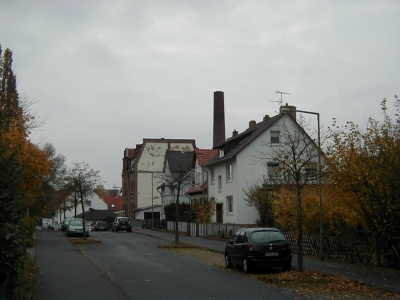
{"points": [[83, 218], [177, 217], [378, 253]]}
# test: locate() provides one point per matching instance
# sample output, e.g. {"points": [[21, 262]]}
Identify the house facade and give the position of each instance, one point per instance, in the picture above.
{"points": [[94, 201], [198, 191], [238, 165], [142, 167], [178, 176]]}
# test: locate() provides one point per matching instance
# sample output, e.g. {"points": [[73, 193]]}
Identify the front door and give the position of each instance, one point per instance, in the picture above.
{"points": [[218, 213]]}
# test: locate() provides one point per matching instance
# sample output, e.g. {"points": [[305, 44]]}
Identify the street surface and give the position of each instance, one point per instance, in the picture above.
{"points": [[130, 266]]}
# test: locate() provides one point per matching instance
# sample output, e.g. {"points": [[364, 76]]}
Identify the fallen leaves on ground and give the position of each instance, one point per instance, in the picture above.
{"points": [[80, 241], [324, 285], [311, 283]]}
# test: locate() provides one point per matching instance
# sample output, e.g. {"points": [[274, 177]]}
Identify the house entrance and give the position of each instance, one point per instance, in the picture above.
{"points": [[218, 213]]}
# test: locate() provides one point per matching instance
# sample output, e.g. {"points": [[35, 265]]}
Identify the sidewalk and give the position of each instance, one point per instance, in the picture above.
{"points": [[65, 280], [384, 279]]}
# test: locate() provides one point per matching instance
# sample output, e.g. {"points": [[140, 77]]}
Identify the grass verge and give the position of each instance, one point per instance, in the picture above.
{"points": [[309, 283]]}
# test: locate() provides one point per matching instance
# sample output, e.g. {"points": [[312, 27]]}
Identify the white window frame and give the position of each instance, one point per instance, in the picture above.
{"points": [[198, 179], [275, 137], [219, 184], [229, 173], [212, 176]]}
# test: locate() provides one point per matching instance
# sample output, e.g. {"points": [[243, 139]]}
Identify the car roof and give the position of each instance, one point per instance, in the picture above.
{"points": [[261, 229]]}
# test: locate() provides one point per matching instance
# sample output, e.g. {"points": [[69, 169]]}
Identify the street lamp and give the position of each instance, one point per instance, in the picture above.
{"points": [[202, 186], [321, 236]]}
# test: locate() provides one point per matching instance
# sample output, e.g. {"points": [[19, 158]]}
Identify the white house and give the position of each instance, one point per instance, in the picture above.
{"points": [[140, 175], [94, 201], [178, 170], [236, 166]]}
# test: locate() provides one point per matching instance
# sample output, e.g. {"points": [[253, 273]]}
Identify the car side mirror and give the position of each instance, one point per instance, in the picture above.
{"points": [[229, 242]]}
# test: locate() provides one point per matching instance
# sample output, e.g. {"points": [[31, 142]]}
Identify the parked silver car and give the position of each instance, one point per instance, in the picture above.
{"points": [[75, 228]]}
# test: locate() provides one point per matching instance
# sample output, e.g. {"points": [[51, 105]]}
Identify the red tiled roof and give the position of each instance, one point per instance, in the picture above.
{"points": [[117, 201], [205, 155], [197, 189]]}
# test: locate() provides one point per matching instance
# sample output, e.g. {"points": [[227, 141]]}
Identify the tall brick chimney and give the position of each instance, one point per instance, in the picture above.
{"points": [[219, 119]]}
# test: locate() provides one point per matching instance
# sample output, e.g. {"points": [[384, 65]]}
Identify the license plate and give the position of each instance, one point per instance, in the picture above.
{"points": [[123, 226], [271, 253]]}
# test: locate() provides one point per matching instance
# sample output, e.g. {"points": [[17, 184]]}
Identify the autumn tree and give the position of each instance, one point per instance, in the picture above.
{"points": [[178, 173], [292, 163], [47, 199], [22, 166], [83, 180], [260, 196], [203, 210], [365, 166]]}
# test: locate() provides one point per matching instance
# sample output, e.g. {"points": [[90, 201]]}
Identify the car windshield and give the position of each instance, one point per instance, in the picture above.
{"points": [[267, 236], [76, 222], [101, 223], [123, 220]]}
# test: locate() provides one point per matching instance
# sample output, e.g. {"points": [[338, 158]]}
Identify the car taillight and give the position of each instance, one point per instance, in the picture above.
{"points": [[250, 247]]}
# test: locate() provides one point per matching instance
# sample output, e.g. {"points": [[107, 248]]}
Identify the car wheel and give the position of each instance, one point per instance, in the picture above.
{"points": [[287, 267], [227, 261], [246, 267]]}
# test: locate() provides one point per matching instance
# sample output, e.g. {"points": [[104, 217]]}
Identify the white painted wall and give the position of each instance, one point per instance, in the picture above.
{"points": [[246, 171], [95, 202], [152, 160]]}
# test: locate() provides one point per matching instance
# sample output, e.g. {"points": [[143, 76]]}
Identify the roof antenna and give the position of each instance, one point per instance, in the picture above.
{"points": [[279, 101]]}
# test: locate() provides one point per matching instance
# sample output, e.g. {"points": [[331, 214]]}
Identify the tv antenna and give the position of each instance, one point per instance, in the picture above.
{"points": [[280, 101]]}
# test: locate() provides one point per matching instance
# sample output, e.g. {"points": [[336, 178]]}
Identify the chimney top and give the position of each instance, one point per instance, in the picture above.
{"points": [[252, 123], [266, 117], [234, 133], [290, 109]]}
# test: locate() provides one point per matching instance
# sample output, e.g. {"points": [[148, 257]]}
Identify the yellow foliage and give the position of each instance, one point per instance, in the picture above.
{"points": [[201, 210]]}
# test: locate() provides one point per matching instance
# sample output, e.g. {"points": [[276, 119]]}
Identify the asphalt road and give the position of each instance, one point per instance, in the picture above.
{"points": [[130, 266]]}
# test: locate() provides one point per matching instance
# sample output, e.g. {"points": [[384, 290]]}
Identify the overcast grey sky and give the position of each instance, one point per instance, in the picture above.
{"points": [[107, 74]]}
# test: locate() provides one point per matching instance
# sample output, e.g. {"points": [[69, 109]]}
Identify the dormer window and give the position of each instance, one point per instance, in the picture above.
{"points": [[221, 153]]}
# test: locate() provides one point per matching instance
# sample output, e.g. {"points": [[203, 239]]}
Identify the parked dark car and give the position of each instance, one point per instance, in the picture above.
{"points": [[122, 224], [258, 247], [100, 226]]}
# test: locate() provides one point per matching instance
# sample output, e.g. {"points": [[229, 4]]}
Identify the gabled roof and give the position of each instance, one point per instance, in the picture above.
{"points": [[197, 189], [114, 192], [117, 201], [205, 155], [179, 161], [234, 145]]}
